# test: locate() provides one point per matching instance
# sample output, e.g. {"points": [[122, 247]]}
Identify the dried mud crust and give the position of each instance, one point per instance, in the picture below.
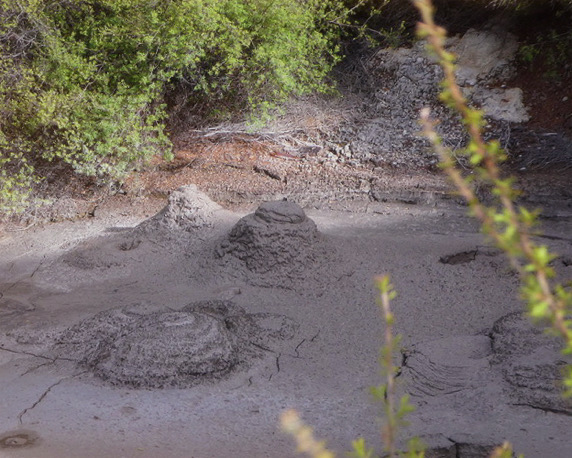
{"points": [[277, 246], [205, 341]]}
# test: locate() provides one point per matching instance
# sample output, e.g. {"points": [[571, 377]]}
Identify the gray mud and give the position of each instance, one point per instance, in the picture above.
{"points": [[503, 375], [277, 246], [201, 343], [189, 333]]}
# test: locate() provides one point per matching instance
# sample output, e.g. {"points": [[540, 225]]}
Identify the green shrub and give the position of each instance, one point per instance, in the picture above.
{"points": [[82, 81], [550, 50]]}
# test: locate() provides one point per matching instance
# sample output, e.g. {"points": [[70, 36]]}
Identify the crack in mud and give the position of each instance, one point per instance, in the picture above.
{"points": [[11, 286], [38, 267], [27, 353], [311, 340], [553, 237], [456, 445], [44, 394], [277, 367], [543, 409], [297, 347], [32, 369], [262, 347], [40, 264], [404, 357], [278, 362]]}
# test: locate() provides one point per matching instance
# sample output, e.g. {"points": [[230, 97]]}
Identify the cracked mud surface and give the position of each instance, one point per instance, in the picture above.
{"points": [[122, 336]]}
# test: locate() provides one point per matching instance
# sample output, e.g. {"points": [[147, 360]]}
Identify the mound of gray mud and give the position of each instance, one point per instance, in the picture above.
{"points": [[188, 209], [516, 363], [203, 342], [277, 245]]}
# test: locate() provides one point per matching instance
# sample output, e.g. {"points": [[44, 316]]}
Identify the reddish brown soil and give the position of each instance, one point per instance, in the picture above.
{"points": [[549, 98]]}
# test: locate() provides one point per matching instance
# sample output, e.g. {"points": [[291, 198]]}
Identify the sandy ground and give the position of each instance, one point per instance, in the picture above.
{"points": [[56, 275]]}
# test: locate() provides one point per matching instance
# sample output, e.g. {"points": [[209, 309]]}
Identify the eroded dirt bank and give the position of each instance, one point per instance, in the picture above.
{"points": [[362, 144]]}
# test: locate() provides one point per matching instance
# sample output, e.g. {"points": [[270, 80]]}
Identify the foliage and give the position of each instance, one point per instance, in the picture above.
{"points": [[503, 451], [82, 81], [373, 21], [552, 49], [304, 435], [394, 413]]}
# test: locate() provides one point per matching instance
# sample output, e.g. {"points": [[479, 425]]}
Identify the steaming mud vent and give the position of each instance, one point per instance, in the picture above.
{"points": [[278, 243], [204, 341]]}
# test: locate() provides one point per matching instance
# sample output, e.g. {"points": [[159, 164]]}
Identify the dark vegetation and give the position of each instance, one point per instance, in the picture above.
{"points": [[91, 87]]}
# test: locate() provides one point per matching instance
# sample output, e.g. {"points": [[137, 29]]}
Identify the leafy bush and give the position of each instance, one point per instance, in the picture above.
{"points": [[551, 50], [82, 81]]}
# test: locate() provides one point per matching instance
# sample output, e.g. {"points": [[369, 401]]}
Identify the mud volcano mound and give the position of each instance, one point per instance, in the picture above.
{"points": [[202, 342], [276, 245], [178, 226], [188, 209]]}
